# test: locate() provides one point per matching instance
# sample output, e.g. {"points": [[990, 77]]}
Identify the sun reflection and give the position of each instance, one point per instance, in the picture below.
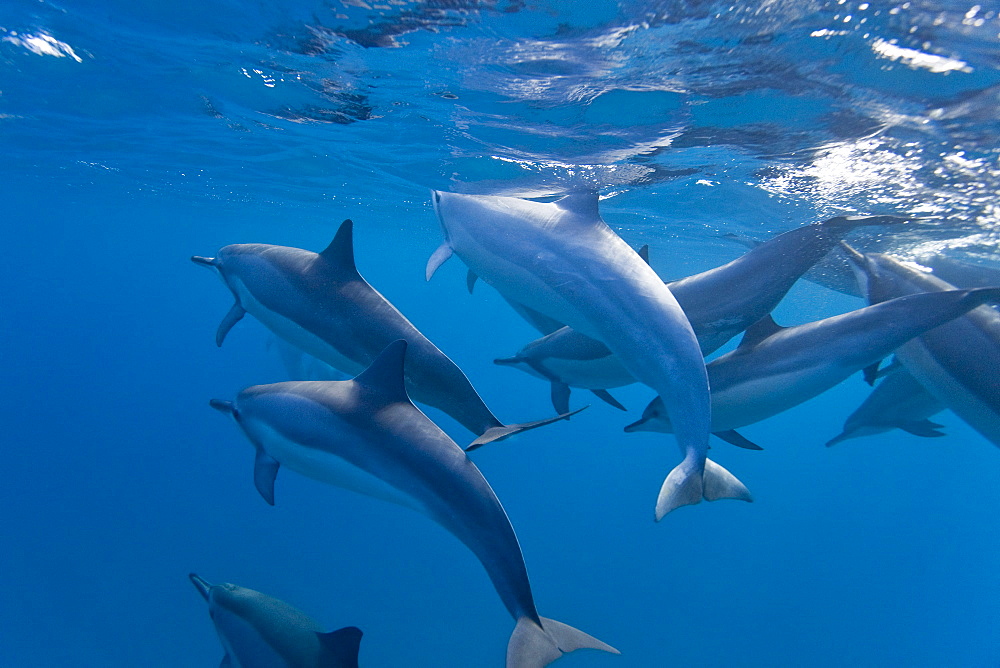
{"points": [[43, 45]]}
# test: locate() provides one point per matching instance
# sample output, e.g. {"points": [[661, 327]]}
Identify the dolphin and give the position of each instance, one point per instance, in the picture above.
{"points": [[899, 401], [957, 362], [961, 274], [319, 303], [776, 368], [365, 434], [562, 260], [258, 631], [719, 303]]}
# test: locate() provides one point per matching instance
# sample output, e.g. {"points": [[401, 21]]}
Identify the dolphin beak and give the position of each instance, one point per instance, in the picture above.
{"points": [[226, 407], [636, 426], [199, 584], [856, 258], [506, 361], [209, 262]]}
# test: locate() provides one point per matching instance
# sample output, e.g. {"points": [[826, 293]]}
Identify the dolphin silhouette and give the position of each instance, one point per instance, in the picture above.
{"points": [[776, 368], [899, 401], [319, 303], [719, 303], [365, 434], [562, 260], [957, 362], [258, 631]]}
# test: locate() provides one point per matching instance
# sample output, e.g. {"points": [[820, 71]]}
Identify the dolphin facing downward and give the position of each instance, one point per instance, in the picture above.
{"points": [[776, 368], [365, 435], [563, 261], [258, 631], [319, 303]]}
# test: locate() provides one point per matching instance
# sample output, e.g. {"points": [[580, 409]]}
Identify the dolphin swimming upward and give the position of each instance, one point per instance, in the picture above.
{"points": [[958, 362], [563, 261], [719, 303], [258, 631], [365, 435], [776, 368], [319, 303]]}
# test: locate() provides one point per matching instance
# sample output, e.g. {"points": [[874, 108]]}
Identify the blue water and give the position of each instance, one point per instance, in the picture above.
{"points": [[134, 135]]}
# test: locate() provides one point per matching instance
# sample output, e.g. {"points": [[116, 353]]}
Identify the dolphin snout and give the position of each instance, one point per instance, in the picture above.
{"points": [[209, 262], [226, 407], [638, 425], [199, 584]]}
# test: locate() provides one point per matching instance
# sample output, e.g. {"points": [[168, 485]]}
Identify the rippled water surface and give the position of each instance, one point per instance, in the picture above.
{"points": [[134, 135]]}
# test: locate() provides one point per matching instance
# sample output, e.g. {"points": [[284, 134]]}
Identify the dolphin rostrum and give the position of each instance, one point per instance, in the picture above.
{"points": [[719, 303], [258, 631], [319, 303], [899, 401], [957, 362], [364, 434], [562, 260], [776, 368]]}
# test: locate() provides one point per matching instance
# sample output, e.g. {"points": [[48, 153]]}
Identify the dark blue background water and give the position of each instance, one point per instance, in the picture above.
{"points": [[143, 134]]}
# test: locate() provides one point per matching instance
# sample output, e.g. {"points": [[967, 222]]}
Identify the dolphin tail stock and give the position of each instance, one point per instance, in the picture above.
{"points": [[503, 431], [534, 646], [686, 486]]}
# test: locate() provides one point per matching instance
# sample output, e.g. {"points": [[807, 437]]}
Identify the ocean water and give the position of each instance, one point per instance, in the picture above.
{"points": [[135, 135]]}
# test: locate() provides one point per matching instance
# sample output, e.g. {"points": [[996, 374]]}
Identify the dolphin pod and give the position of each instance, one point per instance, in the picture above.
{"points": [[719, 303], [365, 435], [562, 260], [776, 368], [319, 303], [258, 631], [957, 362]]}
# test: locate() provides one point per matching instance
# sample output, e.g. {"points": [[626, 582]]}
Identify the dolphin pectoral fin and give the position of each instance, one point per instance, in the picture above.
{"points": [[685, 487], [341, 646], [759, 331], [606, 397], [871, 373], [265, 470], [470, 281], [503, 431], [534, 646], [560, 396], [721, 484], [438, 257], [924, 428], [235, 314], [733, 437]]}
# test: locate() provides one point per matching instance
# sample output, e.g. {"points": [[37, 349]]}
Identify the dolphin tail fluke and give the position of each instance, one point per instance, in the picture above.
{"points": [[721, 484], [534, 646], [503, 431], [685, 486]]}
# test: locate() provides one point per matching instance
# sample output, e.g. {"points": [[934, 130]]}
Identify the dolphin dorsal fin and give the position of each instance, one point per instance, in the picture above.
{"points": [[342, 647], [583, 204], [341, 249], [759, 331], [386, 373], [644, 253]]}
